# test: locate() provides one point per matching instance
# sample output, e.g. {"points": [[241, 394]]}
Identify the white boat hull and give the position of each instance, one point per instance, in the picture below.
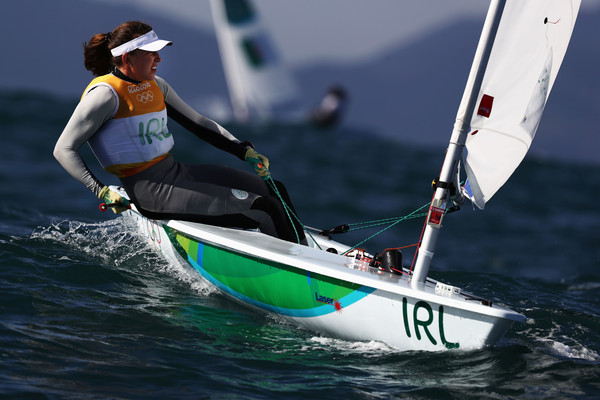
{"points": [[323, 291]]}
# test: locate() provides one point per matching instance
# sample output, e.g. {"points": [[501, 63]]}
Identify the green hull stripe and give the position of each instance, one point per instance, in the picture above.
{"points": [[272, 286]]}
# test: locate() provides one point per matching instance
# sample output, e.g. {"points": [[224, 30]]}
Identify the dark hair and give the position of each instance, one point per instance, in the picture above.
{"points": [[96, 53]]}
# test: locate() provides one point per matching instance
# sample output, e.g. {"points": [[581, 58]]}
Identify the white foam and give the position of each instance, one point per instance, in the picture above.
{"points": [[557, 344], [178, 268], [115, 242], [366, 349], [105, 240], [189, 276], [579, 352]]}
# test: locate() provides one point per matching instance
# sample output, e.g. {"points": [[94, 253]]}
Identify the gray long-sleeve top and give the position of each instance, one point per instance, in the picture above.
{"points": [[98, 106]]}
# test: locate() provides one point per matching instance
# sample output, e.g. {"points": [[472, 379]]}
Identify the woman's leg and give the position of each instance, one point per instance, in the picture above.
{"points": [[213, 195]]}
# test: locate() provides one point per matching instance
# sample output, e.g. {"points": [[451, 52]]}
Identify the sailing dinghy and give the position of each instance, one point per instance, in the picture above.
{"points": [[261, 88], [348, 293]]}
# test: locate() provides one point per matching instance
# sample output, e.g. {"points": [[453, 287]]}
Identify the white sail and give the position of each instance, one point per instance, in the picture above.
{"points": [[259, 85], [520, 50], [527, 52]]}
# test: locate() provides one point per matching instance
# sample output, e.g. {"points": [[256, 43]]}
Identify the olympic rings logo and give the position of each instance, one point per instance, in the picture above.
{"points": [[145, 97], [153, 231]]}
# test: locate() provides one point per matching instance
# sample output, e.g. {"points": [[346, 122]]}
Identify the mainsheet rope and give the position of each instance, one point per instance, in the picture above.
{"points": [[360, 225], [289, 211], [393, 221]]}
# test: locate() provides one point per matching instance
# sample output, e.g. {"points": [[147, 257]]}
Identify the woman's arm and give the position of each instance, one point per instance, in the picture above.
{"points": [[206, 129], [94, 109]]}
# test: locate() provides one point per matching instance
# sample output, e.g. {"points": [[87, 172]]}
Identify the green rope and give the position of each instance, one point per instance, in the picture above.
{"points": [[371, 224], [360, 225], [289, 211], [395, 221]]}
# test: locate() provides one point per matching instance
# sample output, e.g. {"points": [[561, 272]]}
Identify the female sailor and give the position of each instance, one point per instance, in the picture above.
{"points": [[123, 115]]}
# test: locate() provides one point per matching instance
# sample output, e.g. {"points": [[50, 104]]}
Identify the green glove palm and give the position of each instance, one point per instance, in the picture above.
{"points": [[113, 200], [259, 162]]}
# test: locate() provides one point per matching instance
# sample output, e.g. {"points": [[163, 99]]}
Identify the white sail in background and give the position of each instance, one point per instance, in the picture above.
{"points": [[258, 82], [527, 52]]}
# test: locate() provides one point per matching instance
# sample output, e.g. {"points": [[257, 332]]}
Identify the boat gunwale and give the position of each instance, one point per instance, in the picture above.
{"points": [[231, 240]]}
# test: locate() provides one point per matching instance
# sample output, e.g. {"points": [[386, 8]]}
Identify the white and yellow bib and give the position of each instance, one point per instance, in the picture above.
{"points": [[137, 136]]}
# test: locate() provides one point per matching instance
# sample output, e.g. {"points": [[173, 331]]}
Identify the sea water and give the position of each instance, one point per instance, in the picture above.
{"points": [[90, 312]]}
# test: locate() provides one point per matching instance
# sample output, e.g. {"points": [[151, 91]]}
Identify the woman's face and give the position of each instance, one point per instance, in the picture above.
{"points": [[142, 65]]}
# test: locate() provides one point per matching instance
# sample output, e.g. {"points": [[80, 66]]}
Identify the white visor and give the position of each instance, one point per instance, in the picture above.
{"points": [[148, 42]]}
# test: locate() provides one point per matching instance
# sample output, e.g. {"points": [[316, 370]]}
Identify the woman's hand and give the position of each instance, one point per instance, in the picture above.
{"points": [[259, 162], [113, 200]]}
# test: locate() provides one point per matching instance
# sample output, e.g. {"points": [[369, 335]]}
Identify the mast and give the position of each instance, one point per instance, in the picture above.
{"points": [[457, 143]]}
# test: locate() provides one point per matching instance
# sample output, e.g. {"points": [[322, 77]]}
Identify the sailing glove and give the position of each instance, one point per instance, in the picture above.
{"points": [[259, 162], [113, 200]]}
